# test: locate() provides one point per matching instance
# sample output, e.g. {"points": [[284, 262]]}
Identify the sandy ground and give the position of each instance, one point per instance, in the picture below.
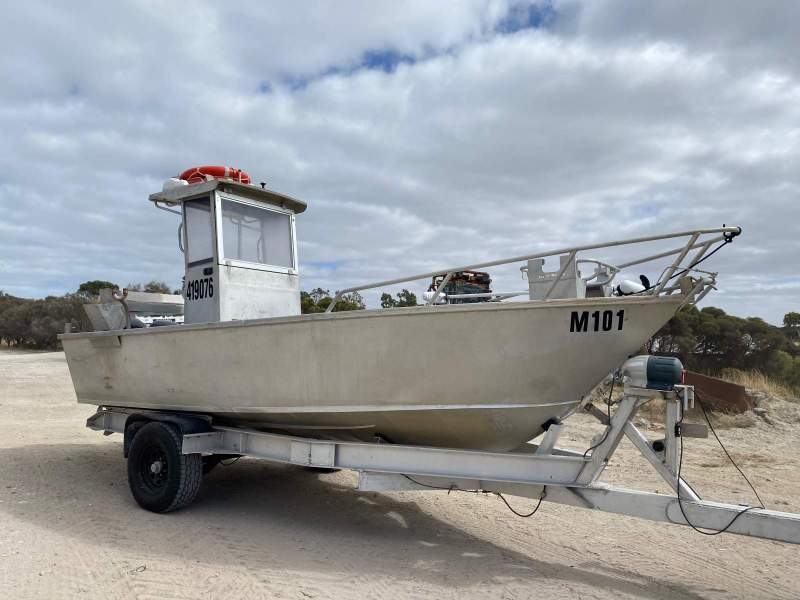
{"points": [[69, 528]]}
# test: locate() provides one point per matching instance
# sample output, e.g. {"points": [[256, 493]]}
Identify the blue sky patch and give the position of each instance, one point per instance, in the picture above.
{"points": [[329, 266], [372, 60], [645, 211], [527, 16], [385, 60], [519, 17]]}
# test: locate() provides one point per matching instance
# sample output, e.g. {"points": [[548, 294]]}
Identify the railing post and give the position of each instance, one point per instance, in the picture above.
{"points": [[561, 272], [439, 289], [676, 263], [336, 298], [703, 249], [691, 297], [704, 293]]}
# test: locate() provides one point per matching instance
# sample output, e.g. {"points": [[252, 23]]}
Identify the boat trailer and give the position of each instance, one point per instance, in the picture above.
{"points": [[540, 471]]}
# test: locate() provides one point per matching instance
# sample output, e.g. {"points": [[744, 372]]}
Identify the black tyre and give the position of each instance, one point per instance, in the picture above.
{"points": [[161, 478]]}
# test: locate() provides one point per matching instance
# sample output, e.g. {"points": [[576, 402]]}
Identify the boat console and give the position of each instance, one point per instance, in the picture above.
{"points": [[240, 249]]}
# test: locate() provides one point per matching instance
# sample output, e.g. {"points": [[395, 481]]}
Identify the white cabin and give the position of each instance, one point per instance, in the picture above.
{"points": [[240, 250]]}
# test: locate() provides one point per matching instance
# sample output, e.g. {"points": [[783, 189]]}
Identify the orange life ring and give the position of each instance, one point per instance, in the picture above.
{"points": [[208, 172]]}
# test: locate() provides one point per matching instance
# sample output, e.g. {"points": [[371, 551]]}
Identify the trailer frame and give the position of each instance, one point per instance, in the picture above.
{"points": [[540, 471]]}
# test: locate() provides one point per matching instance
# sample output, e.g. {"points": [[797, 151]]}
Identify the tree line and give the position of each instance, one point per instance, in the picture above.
{"points": [[710, 340], [36, 323], [318, 300]]}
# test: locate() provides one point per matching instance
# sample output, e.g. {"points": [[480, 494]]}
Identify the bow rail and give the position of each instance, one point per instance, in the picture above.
{"points": [[697, 239]]}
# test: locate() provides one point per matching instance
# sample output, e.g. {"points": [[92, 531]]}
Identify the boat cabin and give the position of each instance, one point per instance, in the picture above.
{"points": [[240, 250]]}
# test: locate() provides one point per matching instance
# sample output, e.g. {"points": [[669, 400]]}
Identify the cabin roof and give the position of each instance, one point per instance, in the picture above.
{"points": [[253, 192]]}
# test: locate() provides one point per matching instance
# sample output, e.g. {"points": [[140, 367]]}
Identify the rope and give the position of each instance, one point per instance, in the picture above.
{"points": [[453, 488], [733, 462]]}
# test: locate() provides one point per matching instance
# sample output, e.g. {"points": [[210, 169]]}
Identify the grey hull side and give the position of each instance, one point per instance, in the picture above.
{"points": [[496, 429], [484, 376]]}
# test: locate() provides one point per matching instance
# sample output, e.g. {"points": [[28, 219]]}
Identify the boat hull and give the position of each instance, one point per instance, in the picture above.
{"points": [[485, 376]]}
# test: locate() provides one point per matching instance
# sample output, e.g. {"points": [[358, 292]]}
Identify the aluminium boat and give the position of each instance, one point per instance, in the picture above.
{"points": [[478, 370]]}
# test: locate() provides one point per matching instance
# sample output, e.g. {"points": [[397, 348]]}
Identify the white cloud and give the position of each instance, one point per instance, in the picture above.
{"points": [[459, 144]]}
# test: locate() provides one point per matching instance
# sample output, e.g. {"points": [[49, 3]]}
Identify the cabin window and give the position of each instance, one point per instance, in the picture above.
{"points": [[256, 235], [199, 231]]}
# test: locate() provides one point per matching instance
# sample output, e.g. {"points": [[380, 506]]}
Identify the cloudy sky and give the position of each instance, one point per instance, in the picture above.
{"points": [[422, 134]]}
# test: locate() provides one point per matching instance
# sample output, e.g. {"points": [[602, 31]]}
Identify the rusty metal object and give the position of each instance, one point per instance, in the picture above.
{"points": [[464, 282], [720, 395]]}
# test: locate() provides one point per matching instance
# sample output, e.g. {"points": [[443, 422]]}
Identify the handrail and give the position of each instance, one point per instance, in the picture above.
{"points": [[694, 235], [164, 208]]}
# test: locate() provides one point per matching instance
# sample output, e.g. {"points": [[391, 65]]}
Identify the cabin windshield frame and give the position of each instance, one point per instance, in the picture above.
{"points": [[221, 198], [191, 235]]}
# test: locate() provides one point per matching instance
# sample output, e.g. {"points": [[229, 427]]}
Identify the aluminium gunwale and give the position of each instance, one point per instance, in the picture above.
{"points": [[422, 310]]}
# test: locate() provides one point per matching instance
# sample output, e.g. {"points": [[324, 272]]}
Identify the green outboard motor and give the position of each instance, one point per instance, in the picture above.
{"points": [[653, 372]]}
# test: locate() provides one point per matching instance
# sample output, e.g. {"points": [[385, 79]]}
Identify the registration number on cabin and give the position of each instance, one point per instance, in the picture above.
{"points": [[199, 289], [598, 320]]}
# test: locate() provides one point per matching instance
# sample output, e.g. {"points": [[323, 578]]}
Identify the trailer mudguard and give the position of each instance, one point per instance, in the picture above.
{"points": [[185, 424]]}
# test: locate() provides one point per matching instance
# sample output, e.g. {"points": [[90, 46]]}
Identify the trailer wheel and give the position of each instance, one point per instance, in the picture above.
{"points": [[160, 476]]}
